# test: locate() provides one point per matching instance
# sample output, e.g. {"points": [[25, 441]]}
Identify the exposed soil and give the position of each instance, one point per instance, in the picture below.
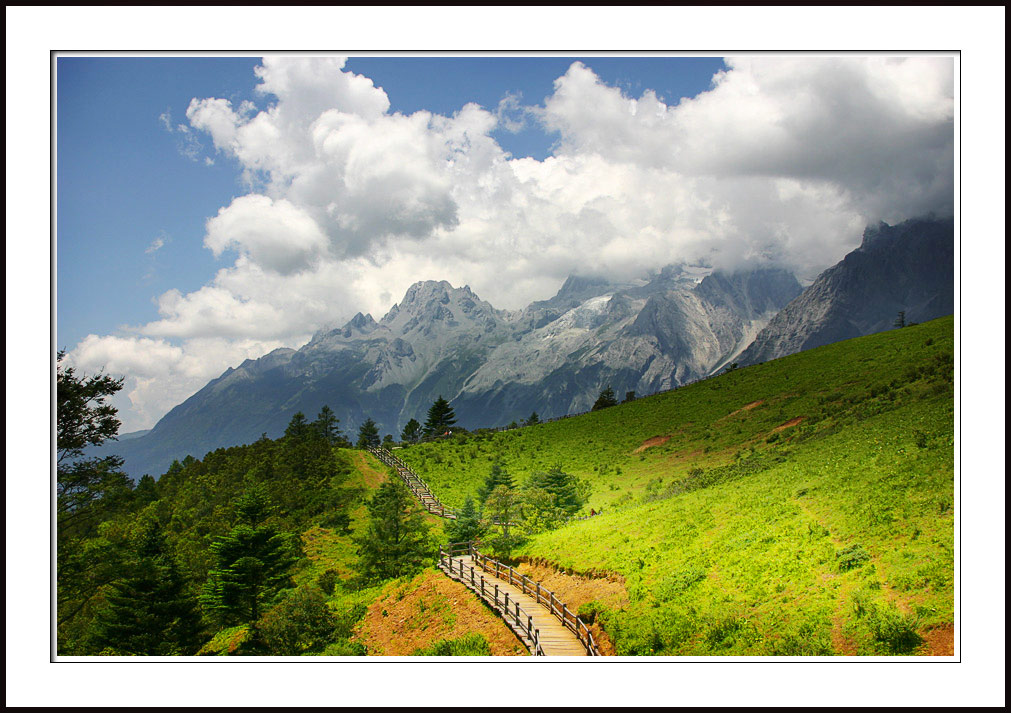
{"points": [[429, 608], [650, 442], [788, 424], [939, 641], [576, 590], [746, 407]]}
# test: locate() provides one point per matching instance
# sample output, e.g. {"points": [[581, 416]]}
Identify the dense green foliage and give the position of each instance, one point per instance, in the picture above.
{"points": [[252, 563], [468, 525], [226, 529], [148, 610], [396, 542]]}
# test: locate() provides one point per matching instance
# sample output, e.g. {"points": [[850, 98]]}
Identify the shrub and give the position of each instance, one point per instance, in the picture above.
{"points": [[327, 581], [898, 632], [851, 557], [466, 645]]}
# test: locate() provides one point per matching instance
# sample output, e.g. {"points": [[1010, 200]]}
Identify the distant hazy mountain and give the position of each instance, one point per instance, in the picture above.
{"points": [[494, 366], [909, 267]]}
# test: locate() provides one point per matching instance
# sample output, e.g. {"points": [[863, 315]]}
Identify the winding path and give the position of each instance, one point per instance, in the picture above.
{"points": [[541, 621]]}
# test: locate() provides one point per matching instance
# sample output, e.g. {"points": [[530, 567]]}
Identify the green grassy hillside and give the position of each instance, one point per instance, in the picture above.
{"points": [[801, 506]]}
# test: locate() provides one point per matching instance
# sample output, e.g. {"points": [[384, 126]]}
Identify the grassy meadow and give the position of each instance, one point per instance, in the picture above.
{"points": [[799, 507]]}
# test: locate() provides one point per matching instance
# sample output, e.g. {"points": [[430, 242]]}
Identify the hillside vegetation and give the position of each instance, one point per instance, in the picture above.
{"points": [[801, 506]]}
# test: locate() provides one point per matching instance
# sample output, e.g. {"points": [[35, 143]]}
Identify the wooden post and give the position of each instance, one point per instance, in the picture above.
{"points": [[538, 592], [496, 595]]}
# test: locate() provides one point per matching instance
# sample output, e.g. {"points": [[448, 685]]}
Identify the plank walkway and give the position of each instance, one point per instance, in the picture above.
{"points": [[533, 612], [531, 621]]}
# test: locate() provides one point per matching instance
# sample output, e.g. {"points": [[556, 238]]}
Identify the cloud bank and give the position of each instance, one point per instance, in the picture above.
{"points": [[783, 160]]}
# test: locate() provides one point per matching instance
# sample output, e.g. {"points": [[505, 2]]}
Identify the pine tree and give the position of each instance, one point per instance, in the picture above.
{"points": [[368, 434], [252, 564], [441, 418], [411, 432], [467, 526], [396, 541], [148, 612], [566, 491], [298, 428], [498, 476], [605, 399], [503, 507], [533, 420], [326, 424]]}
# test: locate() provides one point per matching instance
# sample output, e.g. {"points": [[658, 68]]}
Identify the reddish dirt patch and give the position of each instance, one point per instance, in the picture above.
{"points": [[429, 608], [746, 407], [788, 424], [576, 590], [650, 442], [939, 641]]}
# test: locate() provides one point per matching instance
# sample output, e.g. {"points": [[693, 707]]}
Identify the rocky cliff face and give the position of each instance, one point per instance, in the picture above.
{"points": [[908, 267], [553, 357]]}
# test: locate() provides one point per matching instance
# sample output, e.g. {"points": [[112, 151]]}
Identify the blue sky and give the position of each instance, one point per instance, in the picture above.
{"points": [[124, 181], [212, 209]]}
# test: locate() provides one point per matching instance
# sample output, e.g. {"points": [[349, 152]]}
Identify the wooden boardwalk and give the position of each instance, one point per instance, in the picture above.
{"points": [[527, 610], [542, 621]]}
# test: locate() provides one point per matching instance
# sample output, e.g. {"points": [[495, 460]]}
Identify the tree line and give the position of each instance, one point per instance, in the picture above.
{"points": [[213, 546]]}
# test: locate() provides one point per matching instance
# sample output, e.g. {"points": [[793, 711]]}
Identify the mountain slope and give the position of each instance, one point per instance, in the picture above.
{"points": [[908, 267], [803, 506], [495, 366]]}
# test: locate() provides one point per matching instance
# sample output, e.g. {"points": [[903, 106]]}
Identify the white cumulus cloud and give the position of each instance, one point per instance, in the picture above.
{"points": [[782, 160]]}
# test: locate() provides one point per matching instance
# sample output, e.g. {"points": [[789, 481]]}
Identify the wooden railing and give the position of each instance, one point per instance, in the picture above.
{"points": [[424, 494], [542, 595], [518, 620], [413, 481]]}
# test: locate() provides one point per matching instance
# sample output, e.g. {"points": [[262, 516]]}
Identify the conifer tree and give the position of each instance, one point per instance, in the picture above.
{"points": [[605, 399], [252, 563], [533, 420], [298, 428], [503, 508], [498, 476], [411, 432], [467, 526], [327, 425], [566, 491], [441, 418], [396, 541], [368, 434], [148, 612]]}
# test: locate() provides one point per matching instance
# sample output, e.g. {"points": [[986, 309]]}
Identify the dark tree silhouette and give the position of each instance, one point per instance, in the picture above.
{"points": [[441, 418]]}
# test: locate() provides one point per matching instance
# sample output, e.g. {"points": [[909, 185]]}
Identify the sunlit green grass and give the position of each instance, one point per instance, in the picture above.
{"points": [[832, 535]]}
